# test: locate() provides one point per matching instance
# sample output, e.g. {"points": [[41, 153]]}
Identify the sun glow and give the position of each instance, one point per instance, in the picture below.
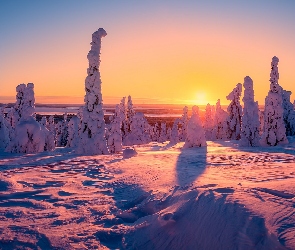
{"points": [[201, 98]]}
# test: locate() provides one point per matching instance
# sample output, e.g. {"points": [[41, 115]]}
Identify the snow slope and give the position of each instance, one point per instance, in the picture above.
{"points": [[215, 197]]}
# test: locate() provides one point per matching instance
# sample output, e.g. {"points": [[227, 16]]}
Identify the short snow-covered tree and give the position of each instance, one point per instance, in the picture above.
{"points": [[220, 122], [250, 119], [92, 135], [163, 133], [4, 132], [183, 124], [62, 132], [115, 133], [139, 131], [73, 132], [234, 113], [29, 137], [274, 127], [289, 113], [209, 122], [174, 138], [195, 132]]}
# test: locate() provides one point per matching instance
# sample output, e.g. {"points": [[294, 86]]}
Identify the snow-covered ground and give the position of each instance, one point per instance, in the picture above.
{"points": [[215, 197]]}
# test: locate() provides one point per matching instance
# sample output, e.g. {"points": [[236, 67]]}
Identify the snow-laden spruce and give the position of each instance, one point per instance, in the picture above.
{"points": [[274, 127], [115, 133], [73, 132], [4, 132], [195, 132], [29, 135], [250, 119], [62, 132], [289, 113], [209, 122], [92, 136], [174, 137], [234, 110], [163, 133], [139, 131], [183, 124], [220, 123]]}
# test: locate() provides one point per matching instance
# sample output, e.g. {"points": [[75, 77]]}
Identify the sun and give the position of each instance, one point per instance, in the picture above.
{"points": [[201, 98]]}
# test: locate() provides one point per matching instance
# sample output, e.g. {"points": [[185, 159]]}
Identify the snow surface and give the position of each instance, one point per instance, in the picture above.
{"points": [[217, 197]]}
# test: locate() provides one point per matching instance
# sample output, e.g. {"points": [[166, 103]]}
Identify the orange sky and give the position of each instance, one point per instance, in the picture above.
{"points": [[181, 53]]}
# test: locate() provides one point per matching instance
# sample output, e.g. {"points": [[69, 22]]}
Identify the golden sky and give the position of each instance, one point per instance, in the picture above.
{"points": [[167, 52]]}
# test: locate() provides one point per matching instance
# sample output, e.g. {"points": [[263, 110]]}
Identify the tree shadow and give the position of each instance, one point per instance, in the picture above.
{"points": [[286, 149], [191, 163]]}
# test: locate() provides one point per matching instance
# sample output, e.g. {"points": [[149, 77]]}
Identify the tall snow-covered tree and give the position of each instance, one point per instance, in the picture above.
{"points": [[62, 132], [195, 132], [73, 132], [274, 127], [250, 119], [92, 136], [163, 133], [234, 113], [115, 135]]}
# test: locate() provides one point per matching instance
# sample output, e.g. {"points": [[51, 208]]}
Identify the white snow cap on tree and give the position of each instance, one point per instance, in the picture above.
{"points": [[250, 119], [195, 132], [234, 110], [92, 136], [29, 137], [274, 128], [115, 136]]}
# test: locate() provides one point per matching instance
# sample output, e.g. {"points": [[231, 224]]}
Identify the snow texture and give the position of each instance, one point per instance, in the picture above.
{"points": [[274, 127], [92, 136], [195, 136], [250, 119], [234, 113]]}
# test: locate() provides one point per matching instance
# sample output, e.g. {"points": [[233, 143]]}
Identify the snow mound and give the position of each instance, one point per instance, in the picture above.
{"points": [[129, 152]]}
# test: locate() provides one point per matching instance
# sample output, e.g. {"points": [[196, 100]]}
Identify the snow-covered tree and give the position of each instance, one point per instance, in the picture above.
{"points": [[62, 132], [209, 122], [234, 113], [195, 132], [289, 113], [183, 124], [4, 132], [163, 133], [274, 128], [250, 119], [92, 136], [73, 132], [174, 138], [115, 135], [156, 132], [29, 137], [220, 121], [139, 132], [43, 121]]}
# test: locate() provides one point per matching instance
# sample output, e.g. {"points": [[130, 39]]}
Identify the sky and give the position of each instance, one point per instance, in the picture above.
{"points": [[168, 51]]}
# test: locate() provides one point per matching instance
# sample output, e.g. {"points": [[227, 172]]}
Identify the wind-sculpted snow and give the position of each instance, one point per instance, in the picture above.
{"points": [[215, 197]]}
